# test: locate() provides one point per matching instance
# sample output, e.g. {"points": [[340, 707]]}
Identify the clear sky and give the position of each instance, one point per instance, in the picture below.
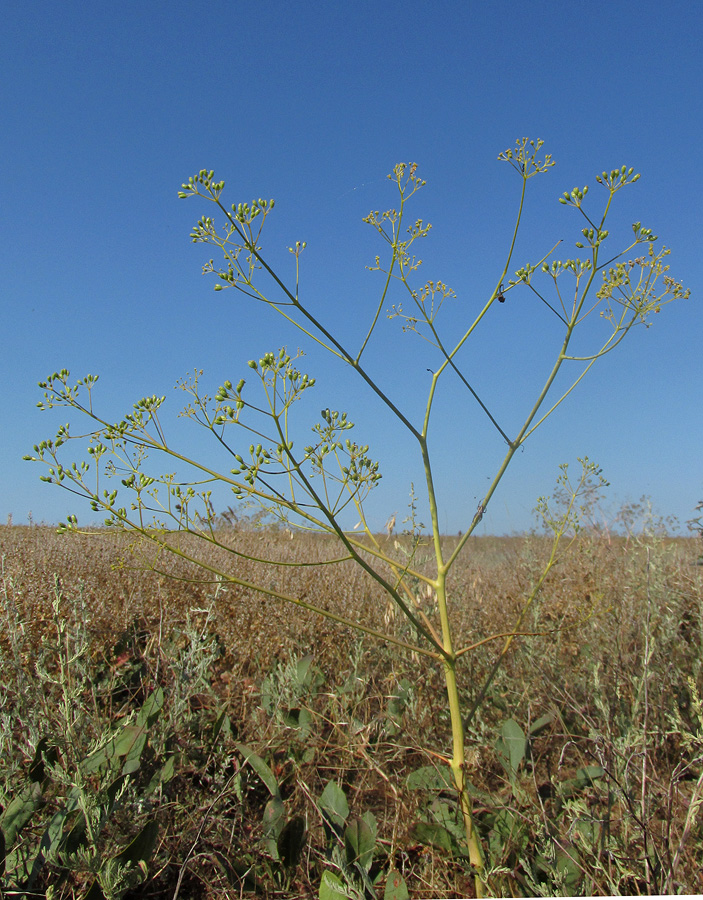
{"points": [[107, 108]]}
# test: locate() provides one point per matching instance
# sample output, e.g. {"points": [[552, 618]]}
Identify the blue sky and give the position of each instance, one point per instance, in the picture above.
{"points": [[107, 108]]}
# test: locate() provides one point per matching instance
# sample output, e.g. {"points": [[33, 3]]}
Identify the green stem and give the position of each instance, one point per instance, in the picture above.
{"points": [[458, 761]]}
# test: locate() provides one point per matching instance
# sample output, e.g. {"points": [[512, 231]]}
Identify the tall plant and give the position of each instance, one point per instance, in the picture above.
{"points": [[311, 487]]}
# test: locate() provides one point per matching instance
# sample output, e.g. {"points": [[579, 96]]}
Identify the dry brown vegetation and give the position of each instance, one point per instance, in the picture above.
{"points": [[612, 675]]}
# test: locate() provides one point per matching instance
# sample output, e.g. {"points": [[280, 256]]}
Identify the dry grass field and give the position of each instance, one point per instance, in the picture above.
{"points": [[261, 706]]}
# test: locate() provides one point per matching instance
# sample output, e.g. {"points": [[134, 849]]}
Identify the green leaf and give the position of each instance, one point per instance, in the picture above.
{"points": [[43, 752], [507, 833], [20, 810], [396, 889], [118, 746], [433, 835], [134, 749], [370, 820], [588, 774], [298, 717], [304, 673], [75, 838], [274, 817], [273, 821], [565, 866], [151, 708], [589, 831], [431, 778], [539, 725], [399, 700], [141, 848], [29, 798], [331, 887], [260, 767], [447, 816], [359, 843], [511, 747], [130, 740], [163, 775], [222, 725], [333, 805], [584, 777]]}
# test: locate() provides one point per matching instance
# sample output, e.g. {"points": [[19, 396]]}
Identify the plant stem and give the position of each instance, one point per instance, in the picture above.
{"points": [[457, 765]]}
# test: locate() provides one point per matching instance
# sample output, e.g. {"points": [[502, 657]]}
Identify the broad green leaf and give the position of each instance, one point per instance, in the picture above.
{"points": [[565, 867], [304, 672], [75, 838], [20, 810], [274, 817], [431, 778], [589, 830], [151, 708], [446, 816], [567, 864], [359, 843], [370, 820], [221, 725], [396, 889], [334, 806], [588, 774], [331, 887], [540, 724], [141, 848], [260, 767], [507, 833], [134, 753], [299, 717], [129, 742], [43, 753], [399, 700], [433, 835], [273, 821], [511, 747], [163, 775]]}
